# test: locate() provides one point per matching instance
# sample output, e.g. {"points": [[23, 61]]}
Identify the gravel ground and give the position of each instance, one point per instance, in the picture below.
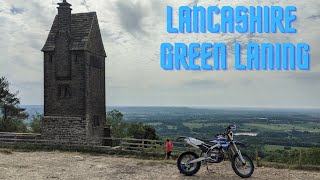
{"points": [[65, 165]]}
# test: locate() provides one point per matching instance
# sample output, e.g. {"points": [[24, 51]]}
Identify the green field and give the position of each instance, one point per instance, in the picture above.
{"points": [[193, 125], [247, 127], [310, 127], [276, 147], [154, 123]]}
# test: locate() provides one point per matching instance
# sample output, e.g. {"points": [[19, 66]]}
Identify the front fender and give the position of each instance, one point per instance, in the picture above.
{"points": [[240, 144]]}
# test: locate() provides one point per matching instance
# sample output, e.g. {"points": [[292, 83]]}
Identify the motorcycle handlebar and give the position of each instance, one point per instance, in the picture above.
{"points": [[225, 133], [220, 134]]}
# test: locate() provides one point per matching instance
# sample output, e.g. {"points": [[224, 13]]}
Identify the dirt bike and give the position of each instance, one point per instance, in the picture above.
{"points": [[215, 151]]}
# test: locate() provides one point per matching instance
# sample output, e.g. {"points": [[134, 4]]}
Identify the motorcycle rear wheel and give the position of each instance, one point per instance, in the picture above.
{"points": [[242, 170], [185, 167]]}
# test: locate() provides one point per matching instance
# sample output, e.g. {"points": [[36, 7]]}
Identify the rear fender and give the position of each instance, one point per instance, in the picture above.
{"points": [[190, 152]]}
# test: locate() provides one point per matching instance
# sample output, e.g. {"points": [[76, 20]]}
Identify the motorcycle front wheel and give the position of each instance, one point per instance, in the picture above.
{"points": [[243, 170], [184, 165]]}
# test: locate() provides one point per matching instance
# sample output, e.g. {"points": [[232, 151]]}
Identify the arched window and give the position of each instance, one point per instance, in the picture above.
{"points": [[64, 91]]}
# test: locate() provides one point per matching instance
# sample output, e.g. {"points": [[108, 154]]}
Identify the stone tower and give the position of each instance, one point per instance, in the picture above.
{"points": [[74, 79]]}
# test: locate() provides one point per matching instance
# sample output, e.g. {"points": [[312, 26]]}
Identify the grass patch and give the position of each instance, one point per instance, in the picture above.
{"points": [[290, 166], [6, 151]]}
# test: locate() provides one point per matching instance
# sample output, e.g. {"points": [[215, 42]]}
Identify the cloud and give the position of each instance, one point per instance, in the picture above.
{"points": [[306, 77], [130, 15], [15, 10], [205, 83]]}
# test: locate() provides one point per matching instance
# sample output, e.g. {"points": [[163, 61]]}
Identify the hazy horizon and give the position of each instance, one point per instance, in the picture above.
{"points": [[200, 107]]}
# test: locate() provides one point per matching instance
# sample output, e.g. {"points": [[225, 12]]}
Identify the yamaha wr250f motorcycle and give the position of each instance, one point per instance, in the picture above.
{"points": [[215, 151]]}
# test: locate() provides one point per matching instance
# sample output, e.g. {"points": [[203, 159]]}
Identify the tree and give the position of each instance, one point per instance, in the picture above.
{"points": [[141, 131], [118, 126], [11, 115], [36, 123], [150, 132], [121, 129], [136, 130]]}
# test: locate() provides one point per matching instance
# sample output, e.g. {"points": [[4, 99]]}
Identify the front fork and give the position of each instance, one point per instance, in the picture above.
{"points": [[237, 151]]}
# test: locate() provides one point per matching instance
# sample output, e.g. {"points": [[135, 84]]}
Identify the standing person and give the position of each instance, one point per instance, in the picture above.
{"points": [[168, 145]]}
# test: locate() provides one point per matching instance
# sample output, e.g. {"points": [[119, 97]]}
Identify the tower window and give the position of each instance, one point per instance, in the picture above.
{"points": [[76, 58], [96, 121], [64, 91]]}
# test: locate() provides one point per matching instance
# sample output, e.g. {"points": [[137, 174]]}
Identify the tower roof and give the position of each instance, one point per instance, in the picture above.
{"points": [[81, 29]]}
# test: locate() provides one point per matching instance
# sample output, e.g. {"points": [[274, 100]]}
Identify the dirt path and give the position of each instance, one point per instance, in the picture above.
{"points": [[62, 165]]}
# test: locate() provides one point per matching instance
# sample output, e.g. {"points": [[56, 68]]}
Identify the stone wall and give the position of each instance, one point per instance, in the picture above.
{"points": [[64, 129]]}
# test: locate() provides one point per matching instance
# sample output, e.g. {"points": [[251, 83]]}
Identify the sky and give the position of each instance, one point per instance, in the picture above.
{"points": [[132, 31]]}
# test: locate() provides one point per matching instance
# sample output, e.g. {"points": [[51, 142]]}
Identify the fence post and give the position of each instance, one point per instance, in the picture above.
{"points": [[120, 143], [300, 157], [257, 157], [142, 146], [289, 152]]}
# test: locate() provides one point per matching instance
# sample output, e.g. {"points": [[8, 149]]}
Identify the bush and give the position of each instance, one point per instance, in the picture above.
{"points": [[36, 123], [141, 131]]}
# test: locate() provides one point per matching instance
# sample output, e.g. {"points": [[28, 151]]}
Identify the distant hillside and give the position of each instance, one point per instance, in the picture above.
{"points": [[141, 113]]}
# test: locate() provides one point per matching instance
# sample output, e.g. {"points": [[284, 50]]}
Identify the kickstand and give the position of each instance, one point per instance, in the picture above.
{"points": [[207, 167]]}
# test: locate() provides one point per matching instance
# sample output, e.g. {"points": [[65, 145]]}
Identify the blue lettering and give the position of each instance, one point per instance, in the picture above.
{"points": [[180, 54], [193, 55], [211, 27], [242, 18], [220, 55], [255, 19], [205, 55], [303, 56], [253, 56], [237, 52], [276, 19], [170, 29], [166, 59], [196, 11], [227, 21], [184, 19], [290, 18]]}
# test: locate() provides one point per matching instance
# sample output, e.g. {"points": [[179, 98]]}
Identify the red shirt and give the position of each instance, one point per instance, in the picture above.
{"points": [[168, 146]]}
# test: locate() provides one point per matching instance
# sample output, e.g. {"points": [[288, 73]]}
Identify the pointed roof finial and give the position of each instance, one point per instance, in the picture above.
{"points": [[64, 3]]}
